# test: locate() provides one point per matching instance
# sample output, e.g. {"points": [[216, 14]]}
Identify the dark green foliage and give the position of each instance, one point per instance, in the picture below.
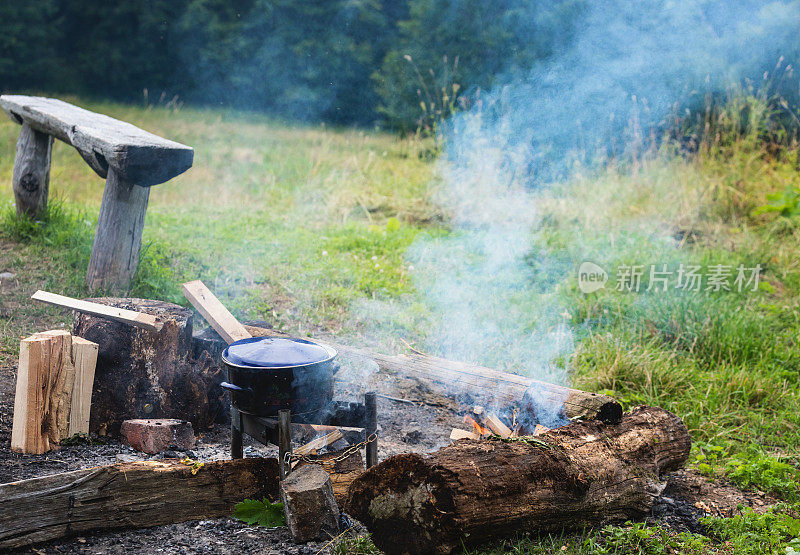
{"points": [[29, 36], [751, 469], [117, 49], [468, 43], [342, 61], [751, 533], [262, 513], [301, 60]]}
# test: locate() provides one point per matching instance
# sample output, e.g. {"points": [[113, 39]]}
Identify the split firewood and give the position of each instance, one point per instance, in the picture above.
{"points": [[539, 429], [59, 391], [582, 474], [129, 495], [476, 427], [494, 423], [84, 357], [457, 434], [318, 443], [45, 380]]}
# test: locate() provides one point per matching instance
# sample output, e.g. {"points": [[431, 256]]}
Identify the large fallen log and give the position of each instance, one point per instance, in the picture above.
{"points": [[136, 494], [544, 401], [585, 473]]}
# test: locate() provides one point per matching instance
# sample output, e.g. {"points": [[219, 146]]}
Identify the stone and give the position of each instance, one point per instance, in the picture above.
{"points": [[158, 434], [311, 510], [411, 435]]}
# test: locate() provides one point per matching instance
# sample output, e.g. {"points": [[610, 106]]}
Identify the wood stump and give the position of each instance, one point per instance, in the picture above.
{"points": [[311, 510], [150, 374], [582, 474]]}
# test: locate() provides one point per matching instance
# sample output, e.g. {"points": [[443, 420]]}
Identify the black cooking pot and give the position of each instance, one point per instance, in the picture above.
{"points": [[268, 374]]}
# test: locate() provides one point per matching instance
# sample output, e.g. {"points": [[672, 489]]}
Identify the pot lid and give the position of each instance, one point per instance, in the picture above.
{"points": [[275, 352]]}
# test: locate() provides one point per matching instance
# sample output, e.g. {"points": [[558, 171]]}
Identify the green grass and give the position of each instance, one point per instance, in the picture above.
{"points": [[285, 223], [302, 226]]}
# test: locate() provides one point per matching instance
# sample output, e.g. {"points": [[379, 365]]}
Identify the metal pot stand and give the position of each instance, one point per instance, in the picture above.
{"points": [[358, 424]]}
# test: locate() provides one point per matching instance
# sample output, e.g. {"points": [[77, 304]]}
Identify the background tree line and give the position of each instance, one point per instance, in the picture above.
{"points": [[395, 62]]}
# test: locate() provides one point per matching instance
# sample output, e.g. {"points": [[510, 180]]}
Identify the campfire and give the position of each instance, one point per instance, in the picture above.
{"points": [[132, 365], [485, 424]]}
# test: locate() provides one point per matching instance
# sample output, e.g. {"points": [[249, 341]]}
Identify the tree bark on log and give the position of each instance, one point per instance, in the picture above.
{"points": [[136, 494], [585, 473], [149, 374]]}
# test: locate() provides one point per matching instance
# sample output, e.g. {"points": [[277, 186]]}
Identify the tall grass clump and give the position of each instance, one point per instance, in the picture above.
{"points": [[720, 187], [61, 239]]}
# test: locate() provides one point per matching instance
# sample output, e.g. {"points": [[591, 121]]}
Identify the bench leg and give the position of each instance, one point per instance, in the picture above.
{"points": [[118, 240], [31, 178]]}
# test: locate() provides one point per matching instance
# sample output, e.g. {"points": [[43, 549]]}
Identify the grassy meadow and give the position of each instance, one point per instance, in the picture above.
{"points": [[295, 225]]}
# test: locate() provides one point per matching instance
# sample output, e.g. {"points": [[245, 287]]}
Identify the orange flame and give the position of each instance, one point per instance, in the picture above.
{"points": [[477, 428]]}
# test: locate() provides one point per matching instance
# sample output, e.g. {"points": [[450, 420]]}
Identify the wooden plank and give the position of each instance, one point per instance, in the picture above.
{"points": [[131, 317], [84, 357], [127, 495], [31, 177], [139, 157], [457, 433], [41, 402], [319, 443], [494, 423], [215, 313], [118, 239]]}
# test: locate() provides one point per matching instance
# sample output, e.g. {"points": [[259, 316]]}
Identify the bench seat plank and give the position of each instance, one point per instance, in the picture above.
{"points": [[138, 157]]}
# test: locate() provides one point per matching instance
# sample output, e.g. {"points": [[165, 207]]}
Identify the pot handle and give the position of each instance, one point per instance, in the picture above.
{"points": [[236, 388]]}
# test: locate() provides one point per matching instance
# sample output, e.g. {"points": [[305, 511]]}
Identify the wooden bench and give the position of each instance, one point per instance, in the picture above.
{"points": [[130, 159]]}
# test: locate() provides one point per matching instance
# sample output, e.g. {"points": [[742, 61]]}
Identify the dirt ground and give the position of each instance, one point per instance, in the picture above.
{"points": [[421, 426]]}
